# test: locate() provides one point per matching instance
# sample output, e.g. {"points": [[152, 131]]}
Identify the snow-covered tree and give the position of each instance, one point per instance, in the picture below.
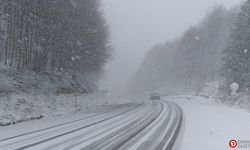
{"points": [[237, 55], [46, 35], [190, 61]]}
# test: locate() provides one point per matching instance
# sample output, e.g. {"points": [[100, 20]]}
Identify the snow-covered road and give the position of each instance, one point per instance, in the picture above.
{"points": [[147, 126]]}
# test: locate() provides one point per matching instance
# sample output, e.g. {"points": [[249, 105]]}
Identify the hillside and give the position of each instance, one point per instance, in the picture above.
{"points": [[189, 62]]}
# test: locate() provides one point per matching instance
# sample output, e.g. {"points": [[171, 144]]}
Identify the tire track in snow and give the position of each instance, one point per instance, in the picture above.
{"points": [[153, 125]]}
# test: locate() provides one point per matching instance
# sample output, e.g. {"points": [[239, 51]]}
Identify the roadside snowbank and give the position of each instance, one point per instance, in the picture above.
{"points": [[209, 125], [214, 92], [28, 96], [19, 108]]}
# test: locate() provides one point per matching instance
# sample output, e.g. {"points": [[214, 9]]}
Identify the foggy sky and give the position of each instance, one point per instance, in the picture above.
{"points": [[137, 25]]}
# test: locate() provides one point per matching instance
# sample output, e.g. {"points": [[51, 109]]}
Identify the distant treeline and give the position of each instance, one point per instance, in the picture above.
{"points": [[53, 35], [190, 61]]}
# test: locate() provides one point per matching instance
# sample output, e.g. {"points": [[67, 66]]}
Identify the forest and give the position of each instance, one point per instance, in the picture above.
{"points": [[53, 37], [215, 51]]}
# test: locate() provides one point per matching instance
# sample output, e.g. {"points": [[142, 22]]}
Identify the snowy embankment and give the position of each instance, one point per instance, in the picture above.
{"points": [[213, 91], [28, 96], [19, 108], [210, 125]]}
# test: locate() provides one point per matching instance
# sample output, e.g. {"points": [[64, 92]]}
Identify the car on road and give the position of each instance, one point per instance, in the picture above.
{"points": [[155, 96]]}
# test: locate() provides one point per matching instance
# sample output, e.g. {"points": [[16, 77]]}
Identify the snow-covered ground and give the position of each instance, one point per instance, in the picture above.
{"points": [[29, 96], [209, 125], [14, 108]]}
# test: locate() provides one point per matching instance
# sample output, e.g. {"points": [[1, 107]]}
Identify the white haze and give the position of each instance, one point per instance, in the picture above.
{"points": [[137, 25]]}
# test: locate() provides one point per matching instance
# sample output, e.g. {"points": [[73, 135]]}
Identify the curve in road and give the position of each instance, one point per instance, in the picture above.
{"points": [[151, 125]]}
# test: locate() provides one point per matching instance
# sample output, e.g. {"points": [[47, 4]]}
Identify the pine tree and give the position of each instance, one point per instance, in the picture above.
{"points": [[237, 54]]}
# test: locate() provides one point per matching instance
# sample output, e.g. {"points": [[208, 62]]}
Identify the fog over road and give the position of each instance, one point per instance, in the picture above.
{"points": [[149, 125]]}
